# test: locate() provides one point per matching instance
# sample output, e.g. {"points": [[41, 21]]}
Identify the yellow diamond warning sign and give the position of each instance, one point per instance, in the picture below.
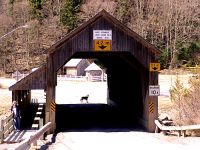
{"points": [[102, 45], [154, 67]]}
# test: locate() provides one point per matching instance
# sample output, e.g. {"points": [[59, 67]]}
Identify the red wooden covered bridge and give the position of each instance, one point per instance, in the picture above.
{"points": [[104, 38]]}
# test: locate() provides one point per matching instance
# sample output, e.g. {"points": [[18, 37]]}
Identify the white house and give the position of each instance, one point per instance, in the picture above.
{"points": [[76, 67], [94, 72]]}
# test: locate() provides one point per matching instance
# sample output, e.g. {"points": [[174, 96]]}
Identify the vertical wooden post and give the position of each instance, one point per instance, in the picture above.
{"points": [[50, 114], [1, 130], [26, 99], [22, 101], [19, 97], [13, 95], [153, 101], [29, 97], [50, 93], [40, 126]]}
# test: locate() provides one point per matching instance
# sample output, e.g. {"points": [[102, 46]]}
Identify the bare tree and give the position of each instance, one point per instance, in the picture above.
{"points": [[166, 24], [92, 7]]}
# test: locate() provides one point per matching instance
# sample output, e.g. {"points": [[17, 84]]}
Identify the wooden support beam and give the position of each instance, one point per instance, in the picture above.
{"points": [[13, 95], [26, 98], [50, 93], [22, 100], [151, 102], [19, 97], [29, 97], [50, 114]]}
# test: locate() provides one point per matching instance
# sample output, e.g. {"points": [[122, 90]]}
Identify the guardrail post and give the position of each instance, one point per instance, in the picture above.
{"points": [[1, 130], [40, 126]]}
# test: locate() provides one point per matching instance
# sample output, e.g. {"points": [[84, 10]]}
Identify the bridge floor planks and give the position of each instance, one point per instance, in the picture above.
{"points": [[16, 137]]}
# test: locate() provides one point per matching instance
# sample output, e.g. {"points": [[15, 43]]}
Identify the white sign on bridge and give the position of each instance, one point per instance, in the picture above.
{"points": [[102, 34], [154, 90]]}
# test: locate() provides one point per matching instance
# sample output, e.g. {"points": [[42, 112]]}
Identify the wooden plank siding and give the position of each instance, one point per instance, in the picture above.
{"points": [[81, 40], [80, 43], [35, 80]]}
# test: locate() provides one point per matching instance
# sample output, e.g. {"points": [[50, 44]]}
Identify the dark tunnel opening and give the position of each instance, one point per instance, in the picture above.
{"points": [[125, 101], [125, 92], [92, 117]]}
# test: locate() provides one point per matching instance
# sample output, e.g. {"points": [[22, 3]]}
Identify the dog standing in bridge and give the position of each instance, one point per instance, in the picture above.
{"points": [[84, 98]]}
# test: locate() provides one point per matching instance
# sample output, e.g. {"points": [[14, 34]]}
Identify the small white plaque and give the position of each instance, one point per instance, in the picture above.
{"points": [[154, 90]]}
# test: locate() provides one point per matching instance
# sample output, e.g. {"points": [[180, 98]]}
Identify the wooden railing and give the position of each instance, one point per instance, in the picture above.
{"points": [[82, 78], [38, 120], [96, 78], [71, 77], [26, 144], [6, 127]]}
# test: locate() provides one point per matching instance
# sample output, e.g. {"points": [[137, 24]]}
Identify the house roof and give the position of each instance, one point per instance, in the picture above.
{"points": [[73, 62], [93, 66]]}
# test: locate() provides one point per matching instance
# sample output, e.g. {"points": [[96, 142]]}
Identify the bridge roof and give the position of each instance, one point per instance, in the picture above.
{"points": [[111, 19], [38, 78], [35, 80]]}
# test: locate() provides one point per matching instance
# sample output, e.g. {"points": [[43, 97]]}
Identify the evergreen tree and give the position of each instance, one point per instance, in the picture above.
{"points": [[68, 13], [36, 8]]}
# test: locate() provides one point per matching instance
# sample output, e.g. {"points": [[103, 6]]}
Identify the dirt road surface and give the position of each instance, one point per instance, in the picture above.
{"points": [[120, 141]]}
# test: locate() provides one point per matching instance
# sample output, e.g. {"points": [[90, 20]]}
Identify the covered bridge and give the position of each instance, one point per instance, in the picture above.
{"points": [[104, 38]]}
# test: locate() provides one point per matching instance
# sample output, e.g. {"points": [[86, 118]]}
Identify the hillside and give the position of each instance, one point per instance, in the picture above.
{"points": [[25, 48], [170, 25]]}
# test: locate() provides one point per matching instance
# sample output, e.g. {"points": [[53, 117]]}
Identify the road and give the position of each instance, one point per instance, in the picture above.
{"points": [[120, 141]]}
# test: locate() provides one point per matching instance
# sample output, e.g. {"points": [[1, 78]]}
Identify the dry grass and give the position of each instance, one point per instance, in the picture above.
{"points": [[164, 105], [4, 109], [174, 72], [186, 102], [5, 101]]}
